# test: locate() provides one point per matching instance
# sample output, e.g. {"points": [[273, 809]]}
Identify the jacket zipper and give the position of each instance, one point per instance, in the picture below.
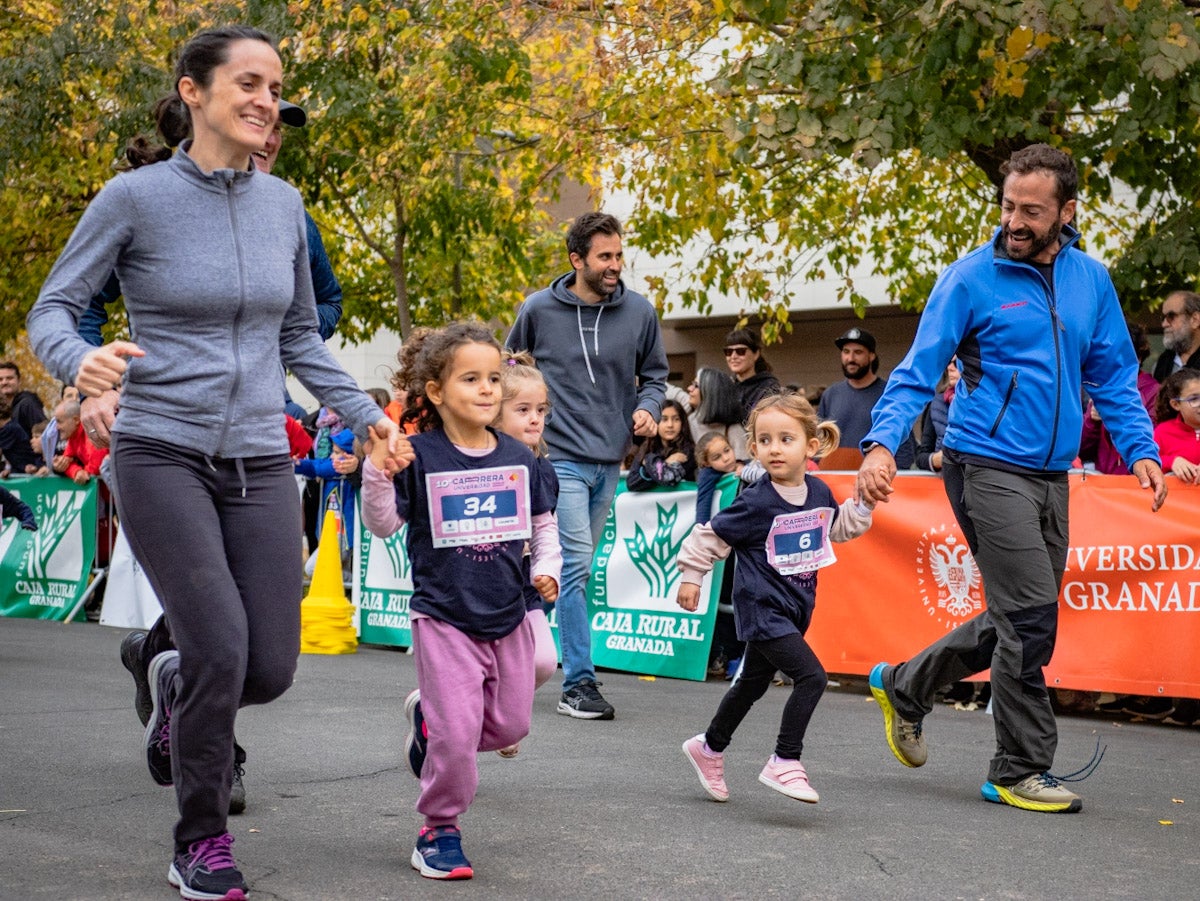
{"points": [[1055, 325], [237, 318], [1012, 386]]}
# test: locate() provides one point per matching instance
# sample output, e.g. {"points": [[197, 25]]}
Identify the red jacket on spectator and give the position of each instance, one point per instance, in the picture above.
{"points": [[83, 454], [1176, 438], [299, 441]]}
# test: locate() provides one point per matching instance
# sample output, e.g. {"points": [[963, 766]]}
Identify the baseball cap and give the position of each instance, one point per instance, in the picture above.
{"points": [[290, 114], [857, 336]]}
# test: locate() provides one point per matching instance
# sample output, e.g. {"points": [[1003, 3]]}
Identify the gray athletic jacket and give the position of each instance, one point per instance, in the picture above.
{"points": [[217, 287]]}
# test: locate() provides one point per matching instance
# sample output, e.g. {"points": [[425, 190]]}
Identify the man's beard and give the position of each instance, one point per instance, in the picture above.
{"points": [[1036, 246], [854, 371], [1178, 339], [594, 279]]}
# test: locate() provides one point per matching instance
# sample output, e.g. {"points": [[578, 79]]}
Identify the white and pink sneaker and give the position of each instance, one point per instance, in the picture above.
{"points": [[709, 766], [788, 778]]}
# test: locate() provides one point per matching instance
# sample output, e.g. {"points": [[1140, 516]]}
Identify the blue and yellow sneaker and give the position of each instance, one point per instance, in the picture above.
{"points": [[1040, 792], [904, 738]]}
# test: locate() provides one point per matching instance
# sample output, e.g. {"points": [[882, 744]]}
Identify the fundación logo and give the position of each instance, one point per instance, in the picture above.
{"points": [[947, 578]]}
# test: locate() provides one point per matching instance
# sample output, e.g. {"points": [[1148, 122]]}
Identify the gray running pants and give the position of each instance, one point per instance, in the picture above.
{"points": [[219, 540], [1019, 524]]}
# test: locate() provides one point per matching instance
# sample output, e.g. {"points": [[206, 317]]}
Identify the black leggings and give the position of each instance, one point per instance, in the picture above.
{"points": [[790, 655], [219, 540]]}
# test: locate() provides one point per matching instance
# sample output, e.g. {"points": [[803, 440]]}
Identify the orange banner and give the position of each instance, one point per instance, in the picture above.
{"points": [[1129, 612]]}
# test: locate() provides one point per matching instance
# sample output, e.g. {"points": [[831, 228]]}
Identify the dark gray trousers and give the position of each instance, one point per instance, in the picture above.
{"points": [[1019, 529], [226, 568]]}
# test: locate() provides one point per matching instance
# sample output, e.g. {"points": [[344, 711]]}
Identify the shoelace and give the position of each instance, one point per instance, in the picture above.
{"points": [[213, 853], [909, 731], [1084, 771], [163, 737]]}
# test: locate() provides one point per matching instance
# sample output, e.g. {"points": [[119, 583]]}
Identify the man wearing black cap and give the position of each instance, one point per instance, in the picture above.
{"points": [[849, 403]]}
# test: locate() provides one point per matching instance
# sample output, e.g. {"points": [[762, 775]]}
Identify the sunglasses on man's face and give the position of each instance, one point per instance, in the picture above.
{"points": [[738, 351], [1172, 315]]}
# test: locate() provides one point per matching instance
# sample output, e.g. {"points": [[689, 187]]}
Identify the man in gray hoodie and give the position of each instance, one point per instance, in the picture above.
{"points": [[599, 346]]}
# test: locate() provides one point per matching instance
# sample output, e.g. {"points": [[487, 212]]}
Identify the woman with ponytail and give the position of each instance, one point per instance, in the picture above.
{"points": [[212, 259]]}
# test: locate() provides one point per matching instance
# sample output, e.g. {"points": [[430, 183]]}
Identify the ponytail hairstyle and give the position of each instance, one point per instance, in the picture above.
{"points": [[797, 406], [204, 53], [426, 357], [517, 368]]}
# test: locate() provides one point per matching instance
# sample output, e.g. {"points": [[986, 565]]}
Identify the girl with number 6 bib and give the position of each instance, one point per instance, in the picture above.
{"points": [[779, 530], [472, 498]]}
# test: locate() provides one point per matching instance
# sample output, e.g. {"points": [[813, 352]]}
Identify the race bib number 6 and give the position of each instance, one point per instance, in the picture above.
{"points": [[799, 542], [479, 506]]}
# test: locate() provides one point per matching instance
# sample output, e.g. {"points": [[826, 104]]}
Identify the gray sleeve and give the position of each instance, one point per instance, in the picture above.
{"points": [[80, 272], [652, 368], [304, 352]]}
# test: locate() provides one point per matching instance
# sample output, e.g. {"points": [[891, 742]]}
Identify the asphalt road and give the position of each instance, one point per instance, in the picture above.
{"points": [[588, 809]]}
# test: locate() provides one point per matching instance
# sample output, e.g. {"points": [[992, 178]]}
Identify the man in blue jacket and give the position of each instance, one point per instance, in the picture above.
{"points": [[1030, 317], [600, 349]]}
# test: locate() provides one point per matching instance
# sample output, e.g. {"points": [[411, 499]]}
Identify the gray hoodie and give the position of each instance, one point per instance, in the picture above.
{"points": [[216, 279], [601, 362]]}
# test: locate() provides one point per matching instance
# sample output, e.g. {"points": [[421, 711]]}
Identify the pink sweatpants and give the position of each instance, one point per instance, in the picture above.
{"points": [[475, 696], [545, 654]]}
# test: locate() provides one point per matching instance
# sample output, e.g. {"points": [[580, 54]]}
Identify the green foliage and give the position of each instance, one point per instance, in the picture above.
{"points": [[830, 136], [438, 136]]}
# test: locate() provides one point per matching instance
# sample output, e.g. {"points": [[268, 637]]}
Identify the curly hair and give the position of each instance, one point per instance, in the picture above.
{"points": [[426, 357]]}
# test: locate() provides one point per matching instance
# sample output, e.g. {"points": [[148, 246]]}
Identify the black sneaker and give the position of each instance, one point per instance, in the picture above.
{"points": [[1148, 708], [131, 659], [416, 743], [163, 669], [237, 791], [584, 702], [206, 871]]}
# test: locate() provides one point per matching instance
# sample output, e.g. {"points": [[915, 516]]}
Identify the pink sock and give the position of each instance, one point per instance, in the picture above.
{"points": [[710, 752]]}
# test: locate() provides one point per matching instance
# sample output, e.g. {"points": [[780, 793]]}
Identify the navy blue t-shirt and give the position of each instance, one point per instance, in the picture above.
{"points": [[477, 588], [766, 603], [533, 599]]}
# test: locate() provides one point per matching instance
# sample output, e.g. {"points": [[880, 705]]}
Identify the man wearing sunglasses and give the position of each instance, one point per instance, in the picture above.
{"points": [[1181, 334]]}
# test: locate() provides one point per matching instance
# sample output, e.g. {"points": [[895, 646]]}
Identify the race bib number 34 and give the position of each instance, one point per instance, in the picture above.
{"points": [[799, 542], [479, 506]]}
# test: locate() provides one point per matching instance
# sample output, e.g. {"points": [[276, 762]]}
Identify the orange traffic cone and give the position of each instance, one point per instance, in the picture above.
{"points": [[326, 615]]}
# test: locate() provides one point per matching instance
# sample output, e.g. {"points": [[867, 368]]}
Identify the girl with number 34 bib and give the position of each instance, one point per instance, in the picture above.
{"points": [[472, 498], [779, 530]]}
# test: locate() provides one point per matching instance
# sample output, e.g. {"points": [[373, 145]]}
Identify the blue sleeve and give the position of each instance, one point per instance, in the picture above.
{"points": [[706, 483], [95, 317], [325, 284], [1110, 370], [14, 507], [317, 468], [944, 323]]}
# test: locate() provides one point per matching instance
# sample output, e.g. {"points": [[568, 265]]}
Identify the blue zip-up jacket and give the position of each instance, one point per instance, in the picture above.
{"points": [[1024, 348]]}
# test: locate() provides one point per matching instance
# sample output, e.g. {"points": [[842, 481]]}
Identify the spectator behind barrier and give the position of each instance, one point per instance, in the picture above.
{"points": [[1095, 443], [667, 458]]}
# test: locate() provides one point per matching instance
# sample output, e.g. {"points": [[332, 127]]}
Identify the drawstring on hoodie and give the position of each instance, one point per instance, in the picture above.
{"points": [[595, 339]]}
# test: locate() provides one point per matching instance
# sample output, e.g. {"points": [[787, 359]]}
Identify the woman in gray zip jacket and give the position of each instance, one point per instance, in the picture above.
{"points": [[212, 257]]}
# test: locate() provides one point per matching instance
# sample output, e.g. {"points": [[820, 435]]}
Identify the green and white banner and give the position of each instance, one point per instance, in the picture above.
{"points": [[44, 573], [636, 625], [382, 587]]}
